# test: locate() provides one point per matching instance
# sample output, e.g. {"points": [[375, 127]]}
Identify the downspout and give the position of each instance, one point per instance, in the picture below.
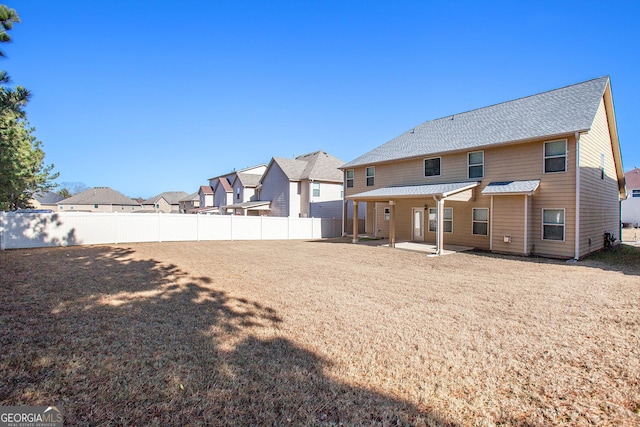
{"points": [[577, 216], [526, 224], [491, 225]]}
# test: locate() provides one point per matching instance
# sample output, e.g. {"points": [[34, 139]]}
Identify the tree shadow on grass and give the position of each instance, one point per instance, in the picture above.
{"points": [[119, 341]]}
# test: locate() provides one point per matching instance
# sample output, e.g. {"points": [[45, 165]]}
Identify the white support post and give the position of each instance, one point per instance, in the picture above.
{"points": [[355, 222], [526, 224], [439, 225]]}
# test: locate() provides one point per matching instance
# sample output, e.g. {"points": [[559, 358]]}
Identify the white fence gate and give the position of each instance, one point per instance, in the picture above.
{"points": [[31, 230]]}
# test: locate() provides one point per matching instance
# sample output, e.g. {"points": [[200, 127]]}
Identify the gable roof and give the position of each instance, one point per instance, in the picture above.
{"points": [[248, 179], [191, 197], [205, 189], [557, 112], [225, 185], [257, 169], [633, 179], [47, 197], [172, 197], [316, 166], [99, 196]]}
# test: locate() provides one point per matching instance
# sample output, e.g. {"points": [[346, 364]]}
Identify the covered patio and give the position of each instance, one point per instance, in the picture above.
{"points": [[455, 191]]}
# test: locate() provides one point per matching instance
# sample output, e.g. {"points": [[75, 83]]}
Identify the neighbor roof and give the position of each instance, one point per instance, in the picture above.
{"points": [[205, 189], [191, 197], [47, 198], [557, 112], [633, 179], [172, 197], [99, 196], [248, 179], [316, 166]]}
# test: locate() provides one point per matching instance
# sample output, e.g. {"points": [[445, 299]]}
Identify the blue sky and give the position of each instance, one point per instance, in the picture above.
{"points": [[153, 96]]}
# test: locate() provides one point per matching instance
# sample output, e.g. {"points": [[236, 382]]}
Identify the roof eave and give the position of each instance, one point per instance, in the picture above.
{"points": [[351, 165]]}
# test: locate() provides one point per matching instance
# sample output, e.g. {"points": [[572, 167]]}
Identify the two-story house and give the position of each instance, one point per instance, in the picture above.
{"points": [[167, 202], [537, 175], [235, 187], [308, 186]]}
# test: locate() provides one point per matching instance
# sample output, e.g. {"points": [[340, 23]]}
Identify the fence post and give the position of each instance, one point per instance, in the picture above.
{"points": [[231, 226], [261, 227]]}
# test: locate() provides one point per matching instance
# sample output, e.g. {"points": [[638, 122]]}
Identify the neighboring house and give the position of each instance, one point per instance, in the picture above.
{"points": [[228, 188], [245, 196], [205, 196], [538, 175], [46, 200], [631, 206], [99, 199], [167, 202], [307, 186], [189, 203]]}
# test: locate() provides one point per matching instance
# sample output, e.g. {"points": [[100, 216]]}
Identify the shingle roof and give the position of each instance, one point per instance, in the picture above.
{"points": [[561, 111], [411, 191], [249, 179], [205, 189], [633, 179], [191, 197], [225, 184], [511, 187], [318, 166], [99, 196], [47, 198], [172, 197]]}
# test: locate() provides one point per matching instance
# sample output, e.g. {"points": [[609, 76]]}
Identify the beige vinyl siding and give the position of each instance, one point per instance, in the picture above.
{"points": [[508, 220], [522, 161], [599, 198]]}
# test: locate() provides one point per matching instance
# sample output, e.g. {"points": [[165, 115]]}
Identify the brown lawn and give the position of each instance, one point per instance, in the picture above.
{"points": [[319, 333]]}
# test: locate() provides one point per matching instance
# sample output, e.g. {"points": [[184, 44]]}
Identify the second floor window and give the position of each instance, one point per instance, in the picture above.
{"points": [[371, 176], [238, 193], [555, 156], [316, 189], [635, 193], [349, 178], [432, 167], [476, 164]]}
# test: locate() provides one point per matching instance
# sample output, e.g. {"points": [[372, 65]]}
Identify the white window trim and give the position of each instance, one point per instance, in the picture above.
{"points": [[469, 165], [423, 167], [564, 225], [566, 156], [443, 220], [366, 177], [473, 221], [347, 179]]}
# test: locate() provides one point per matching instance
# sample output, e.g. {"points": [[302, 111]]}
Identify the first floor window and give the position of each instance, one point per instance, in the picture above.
{"points": [[371, 176], [447, 222], [316, 189], [481, 221], [553, 224], [349, 178]]}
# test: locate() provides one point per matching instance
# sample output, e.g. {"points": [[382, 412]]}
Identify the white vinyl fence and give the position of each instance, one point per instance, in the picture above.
{"points": [[31, 230]]}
